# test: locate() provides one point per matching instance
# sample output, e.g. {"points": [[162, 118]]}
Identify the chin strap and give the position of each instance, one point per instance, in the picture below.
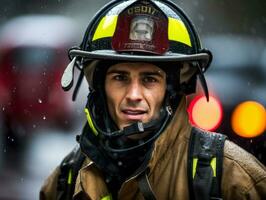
{"points": [[137, 128], [145, 142]]}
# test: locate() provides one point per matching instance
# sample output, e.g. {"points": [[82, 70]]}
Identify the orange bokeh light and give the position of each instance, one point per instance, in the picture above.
{"points": [[249, 119], [206, 115]]}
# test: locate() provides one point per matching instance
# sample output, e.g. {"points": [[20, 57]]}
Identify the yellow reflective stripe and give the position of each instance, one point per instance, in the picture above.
{"points": [[106, 27], [69, 179], [213, 165], [195, 162], [90, 122], [194, 166], [177, 31], [108, 197]]}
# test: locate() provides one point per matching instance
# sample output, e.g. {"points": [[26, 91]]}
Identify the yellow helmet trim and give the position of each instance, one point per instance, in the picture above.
{"points": [[213, 166], [177, 31], [106, 27], [90, 122]]}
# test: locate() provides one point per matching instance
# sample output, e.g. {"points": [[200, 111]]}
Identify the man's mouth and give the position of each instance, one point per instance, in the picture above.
{"points": [[134, 114]]}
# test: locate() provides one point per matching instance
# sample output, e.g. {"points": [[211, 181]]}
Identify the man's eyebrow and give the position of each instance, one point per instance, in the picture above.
{"points": [[116, 71], [153, 73], [145, 73]]}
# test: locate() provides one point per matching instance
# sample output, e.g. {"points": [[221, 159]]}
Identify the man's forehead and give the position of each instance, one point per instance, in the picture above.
{"points": [[135, 66]]}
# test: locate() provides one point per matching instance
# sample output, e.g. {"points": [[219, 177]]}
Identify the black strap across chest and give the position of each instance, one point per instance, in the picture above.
{"points": [[205, 163]]}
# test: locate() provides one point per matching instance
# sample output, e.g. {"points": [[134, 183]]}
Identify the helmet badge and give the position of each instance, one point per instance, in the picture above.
{"points": [[141, 28]]}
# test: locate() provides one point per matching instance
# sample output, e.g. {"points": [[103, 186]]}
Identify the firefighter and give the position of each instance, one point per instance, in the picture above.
{"points": [[141, 58]]}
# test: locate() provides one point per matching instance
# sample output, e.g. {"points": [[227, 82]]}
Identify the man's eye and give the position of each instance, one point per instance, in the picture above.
{"points": [[149, 79], [119, 77]]}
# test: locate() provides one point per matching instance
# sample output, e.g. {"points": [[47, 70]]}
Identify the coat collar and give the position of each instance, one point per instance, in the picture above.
{"points": [[179, 129]]}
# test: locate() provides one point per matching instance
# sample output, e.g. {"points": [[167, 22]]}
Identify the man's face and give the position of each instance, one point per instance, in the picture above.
{"points": [[135, 92]]}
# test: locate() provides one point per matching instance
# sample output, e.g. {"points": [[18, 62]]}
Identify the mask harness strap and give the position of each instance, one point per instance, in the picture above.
{"points": [[145, 187]]}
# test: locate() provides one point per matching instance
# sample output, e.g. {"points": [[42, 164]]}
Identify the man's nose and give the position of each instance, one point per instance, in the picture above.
{"points": [[134, 91]]}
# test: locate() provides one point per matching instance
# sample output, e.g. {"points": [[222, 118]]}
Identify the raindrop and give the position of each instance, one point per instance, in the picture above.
{"points": [[39, 100], [3, 108], [44, 117], [120, 163], [10, 138], [4, 150], [34, 126]]}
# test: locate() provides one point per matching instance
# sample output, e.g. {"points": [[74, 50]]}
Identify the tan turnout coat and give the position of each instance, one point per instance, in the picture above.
{"points": [[243, 176]]}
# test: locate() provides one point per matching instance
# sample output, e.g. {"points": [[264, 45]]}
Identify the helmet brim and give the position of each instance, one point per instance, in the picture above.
{"points": [[167, 57]]}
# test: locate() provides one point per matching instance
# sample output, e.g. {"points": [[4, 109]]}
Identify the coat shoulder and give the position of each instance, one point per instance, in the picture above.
{"points": [[48, 189], [235, 154], [244, 177]]}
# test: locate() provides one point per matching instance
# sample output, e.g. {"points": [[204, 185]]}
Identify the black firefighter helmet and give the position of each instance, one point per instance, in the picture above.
{"points": [[155, 31]]}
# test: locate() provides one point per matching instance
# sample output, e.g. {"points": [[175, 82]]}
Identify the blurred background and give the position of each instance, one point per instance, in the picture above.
{"points": [[38, 121]]}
